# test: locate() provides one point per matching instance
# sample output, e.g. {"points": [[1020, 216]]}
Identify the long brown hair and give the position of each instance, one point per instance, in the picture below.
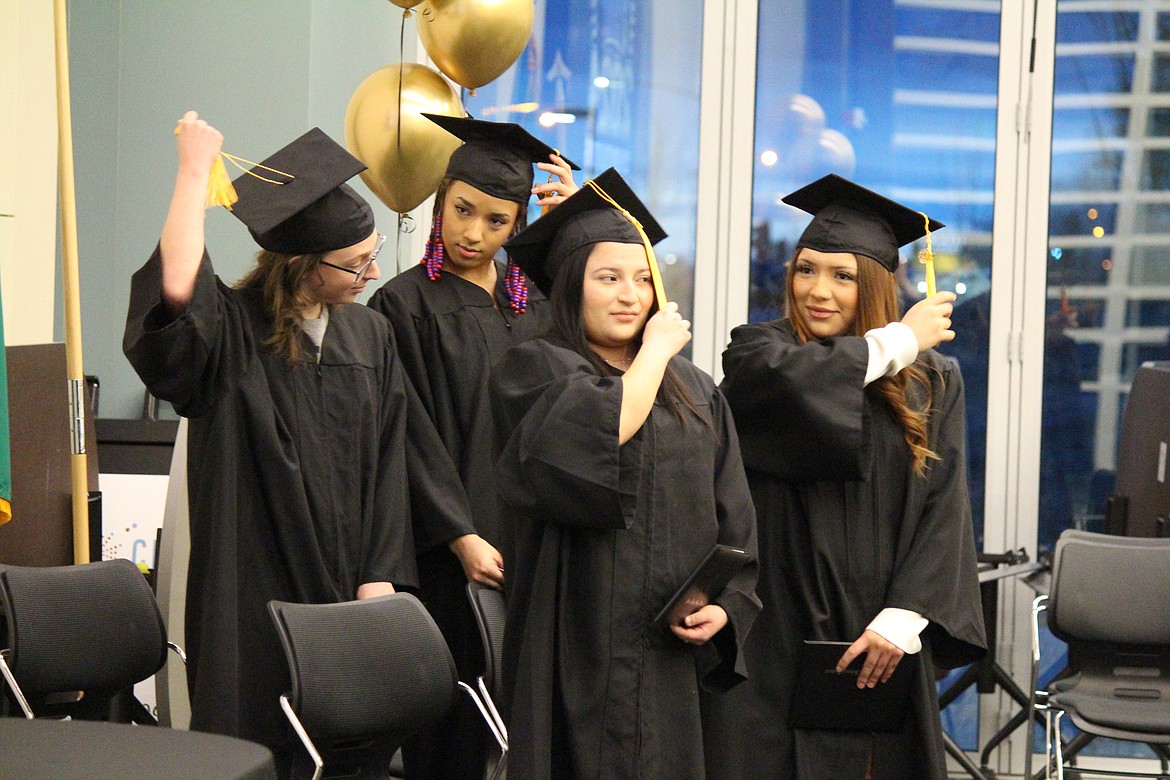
{"points": [[281, 279], [877, 306]]}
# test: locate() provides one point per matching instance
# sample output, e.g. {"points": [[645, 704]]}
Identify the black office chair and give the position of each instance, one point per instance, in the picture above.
{"points": [[79, 638], [491, 611], [366, 675], [1107, 601]]}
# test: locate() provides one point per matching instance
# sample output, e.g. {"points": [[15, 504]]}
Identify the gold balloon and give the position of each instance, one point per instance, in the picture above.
{"points": [[406, 153], [408, 4], [474, 41]]}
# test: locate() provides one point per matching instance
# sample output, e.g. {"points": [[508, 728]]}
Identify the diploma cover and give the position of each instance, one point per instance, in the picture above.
{"points": [[823, 699], [703, 585]]}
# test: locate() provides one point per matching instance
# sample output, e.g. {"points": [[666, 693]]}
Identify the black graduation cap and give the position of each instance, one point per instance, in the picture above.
{"points": [[583, 219], [849, 218], [296, 202], [496, 157]]}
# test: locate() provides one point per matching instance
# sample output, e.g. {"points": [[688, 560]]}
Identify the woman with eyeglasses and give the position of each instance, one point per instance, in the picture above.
{"points": [[453, 315], [305, 438]]}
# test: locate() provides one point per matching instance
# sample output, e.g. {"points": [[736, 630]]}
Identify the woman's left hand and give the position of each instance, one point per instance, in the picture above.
{"points": [[881, 658], [482, 563], [701, 625], [560, 184]]}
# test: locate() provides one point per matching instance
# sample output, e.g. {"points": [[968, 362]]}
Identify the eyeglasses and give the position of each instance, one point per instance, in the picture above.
{"points": [[361, 269]]}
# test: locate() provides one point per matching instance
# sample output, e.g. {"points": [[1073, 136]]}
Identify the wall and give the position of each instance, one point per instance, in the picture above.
{"points": [[262, 72], [28, 170]]}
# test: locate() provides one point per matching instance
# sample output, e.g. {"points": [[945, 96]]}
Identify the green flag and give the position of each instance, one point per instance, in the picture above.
{"points": [[5, 455]]}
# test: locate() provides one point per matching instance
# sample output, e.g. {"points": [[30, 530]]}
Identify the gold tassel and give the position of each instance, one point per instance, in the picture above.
{"points": [[927, 256], [220, 191]]}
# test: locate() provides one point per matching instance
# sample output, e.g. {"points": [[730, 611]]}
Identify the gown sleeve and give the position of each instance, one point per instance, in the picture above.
{"points": [[785, 430], [179, 358], [736, 516], [560, 460], [935, 571]]}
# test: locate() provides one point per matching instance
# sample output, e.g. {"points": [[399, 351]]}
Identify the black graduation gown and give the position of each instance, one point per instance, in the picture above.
{"points": [[297, 480], [449, 334], [846, 529], [603, 536]]}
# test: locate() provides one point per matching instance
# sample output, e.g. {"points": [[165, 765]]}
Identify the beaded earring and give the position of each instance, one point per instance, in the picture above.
{"points": [[516, 288], [433, 254]]}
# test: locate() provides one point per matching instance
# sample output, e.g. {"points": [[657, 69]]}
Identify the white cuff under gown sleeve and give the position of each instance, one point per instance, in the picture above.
{"points": [[901, 627], [891, 349]]}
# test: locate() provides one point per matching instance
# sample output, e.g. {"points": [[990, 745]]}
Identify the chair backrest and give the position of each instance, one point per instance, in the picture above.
{"points": [[1110, 589], [490, 611], [365, 668], [93, 627]]}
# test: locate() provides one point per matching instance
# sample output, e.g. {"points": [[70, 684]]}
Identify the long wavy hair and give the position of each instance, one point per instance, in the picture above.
{"points": [[877, 306], [565, 300], [281, 280]]}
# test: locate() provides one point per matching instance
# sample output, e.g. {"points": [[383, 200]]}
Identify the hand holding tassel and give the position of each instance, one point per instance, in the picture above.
{"points": [[200, 145]]}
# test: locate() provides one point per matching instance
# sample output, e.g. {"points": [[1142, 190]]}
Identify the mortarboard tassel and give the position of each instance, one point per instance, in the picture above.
{"points": [[655, 272], [927, 256], [220, 191]]}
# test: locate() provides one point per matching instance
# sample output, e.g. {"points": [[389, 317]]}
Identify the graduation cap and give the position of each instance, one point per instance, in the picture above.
{"points": [[605, 209], [849, 218], [496, 157], [296, 202]]}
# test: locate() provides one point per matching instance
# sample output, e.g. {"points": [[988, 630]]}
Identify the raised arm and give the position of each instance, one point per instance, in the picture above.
{"points": [[666, 333], [181, 245]]}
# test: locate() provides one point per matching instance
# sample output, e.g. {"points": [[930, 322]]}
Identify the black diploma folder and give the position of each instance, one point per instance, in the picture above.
{"points": [[703, 585], [823, 699]]}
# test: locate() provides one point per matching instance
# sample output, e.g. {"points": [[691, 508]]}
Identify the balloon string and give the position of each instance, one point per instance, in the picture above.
{"points": [[401, 67]]}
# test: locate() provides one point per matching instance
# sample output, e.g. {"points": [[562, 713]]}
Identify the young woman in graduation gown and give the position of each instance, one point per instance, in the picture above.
{"points": [[301, 426], [852, 433], [453, 315], [620, 470]]}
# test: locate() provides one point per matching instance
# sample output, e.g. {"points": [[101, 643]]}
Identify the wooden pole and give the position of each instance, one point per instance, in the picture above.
{"points": [[69, 279]]}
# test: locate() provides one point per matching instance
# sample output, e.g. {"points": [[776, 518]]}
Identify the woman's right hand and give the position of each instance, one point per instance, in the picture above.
{"points": [[666, 332], [930, 319], [199, 144]]}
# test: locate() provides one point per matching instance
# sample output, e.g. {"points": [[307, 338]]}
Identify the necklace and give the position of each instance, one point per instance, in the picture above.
{"points": [[623, 363]]}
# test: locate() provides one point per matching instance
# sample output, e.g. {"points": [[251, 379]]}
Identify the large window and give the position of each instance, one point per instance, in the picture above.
{"points": [[1108, 294], [615, 83]]}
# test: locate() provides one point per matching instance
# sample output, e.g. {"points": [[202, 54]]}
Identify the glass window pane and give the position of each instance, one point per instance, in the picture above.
{"points": [[1108, 299], [1080, 219], [1151, 265], [1152, 218], [1098, 122], [614, 69], [1080, 170], [1094, 73], [1097, 27]]}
